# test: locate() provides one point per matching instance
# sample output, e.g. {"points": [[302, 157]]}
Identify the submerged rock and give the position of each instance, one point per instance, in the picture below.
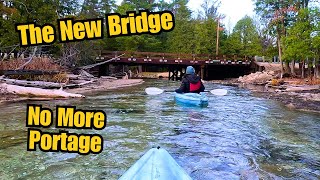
{"points": [[290, 106]]}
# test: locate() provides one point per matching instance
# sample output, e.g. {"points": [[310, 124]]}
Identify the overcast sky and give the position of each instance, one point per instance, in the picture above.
{"points": [[234, 10]]}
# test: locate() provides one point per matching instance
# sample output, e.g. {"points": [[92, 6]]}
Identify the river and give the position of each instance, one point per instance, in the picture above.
{"points": [[238, 136]]}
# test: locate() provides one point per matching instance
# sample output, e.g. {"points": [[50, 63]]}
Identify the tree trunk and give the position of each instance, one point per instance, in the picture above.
{"points": [[317, 69], [309, 72], [308, 68], [302, 70], [315, 75], [280, 54], [293, 65], [287, 67]]}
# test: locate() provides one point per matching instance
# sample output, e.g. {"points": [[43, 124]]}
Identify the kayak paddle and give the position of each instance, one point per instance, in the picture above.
{"points": [[157, 91]]}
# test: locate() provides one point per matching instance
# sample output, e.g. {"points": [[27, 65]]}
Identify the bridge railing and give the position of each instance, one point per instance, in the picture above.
{"points": [[176, 56]]}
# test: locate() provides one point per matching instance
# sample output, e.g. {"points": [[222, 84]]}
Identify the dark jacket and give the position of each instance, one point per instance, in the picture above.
{"points": [[191, 83]]}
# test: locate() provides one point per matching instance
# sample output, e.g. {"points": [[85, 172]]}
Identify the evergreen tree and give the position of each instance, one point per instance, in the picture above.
{"points": [[298, 40], [246, 34], [142, 4], [205, 28], [181, 39]]}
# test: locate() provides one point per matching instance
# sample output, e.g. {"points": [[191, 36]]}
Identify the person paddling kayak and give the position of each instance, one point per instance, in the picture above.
{"points": [[191, 83]]}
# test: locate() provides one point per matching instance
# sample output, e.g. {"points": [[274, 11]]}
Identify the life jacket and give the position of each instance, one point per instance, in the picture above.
{"points": [[194, 86], [191, 83]]}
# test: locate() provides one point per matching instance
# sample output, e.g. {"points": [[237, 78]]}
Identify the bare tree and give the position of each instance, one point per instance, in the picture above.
{"points": [[210, 8]]}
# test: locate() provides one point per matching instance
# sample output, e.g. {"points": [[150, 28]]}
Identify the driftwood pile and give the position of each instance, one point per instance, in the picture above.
{"points": [[43, 88], [36, 88], [49, 89], [40, 84]]}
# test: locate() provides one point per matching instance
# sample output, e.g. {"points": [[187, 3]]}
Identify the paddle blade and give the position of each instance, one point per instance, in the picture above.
{"points": [[219, 92], [154, 91]]}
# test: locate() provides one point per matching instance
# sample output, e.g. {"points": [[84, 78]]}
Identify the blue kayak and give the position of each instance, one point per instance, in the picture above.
{"points": [[156, 164], [192, 98]]}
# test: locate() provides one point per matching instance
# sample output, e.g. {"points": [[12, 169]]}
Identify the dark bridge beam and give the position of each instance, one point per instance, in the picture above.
{"points": [[207, 66], [174, 59]]}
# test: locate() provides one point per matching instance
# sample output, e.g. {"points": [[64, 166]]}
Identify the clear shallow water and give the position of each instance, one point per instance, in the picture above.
{"points": [[237, 136]]}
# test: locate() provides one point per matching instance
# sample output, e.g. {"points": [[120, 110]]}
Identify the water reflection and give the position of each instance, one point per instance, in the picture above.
{"points": [[237, 136]]}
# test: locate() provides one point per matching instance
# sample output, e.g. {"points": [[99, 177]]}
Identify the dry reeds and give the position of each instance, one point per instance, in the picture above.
{"points": [[306, 81], [42, 64]]}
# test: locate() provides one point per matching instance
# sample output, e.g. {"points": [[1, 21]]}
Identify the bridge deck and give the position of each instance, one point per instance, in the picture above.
{"points": [[173, 59]]}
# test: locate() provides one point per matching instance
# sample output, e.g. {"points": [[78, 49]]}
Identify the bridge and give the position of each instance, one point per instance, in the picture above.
{"points": [[208, 66]]}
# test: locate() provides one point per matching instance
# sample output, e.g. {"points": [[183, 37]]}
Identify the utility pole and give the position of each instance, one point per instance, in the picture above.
{"points": [[218, 33]]}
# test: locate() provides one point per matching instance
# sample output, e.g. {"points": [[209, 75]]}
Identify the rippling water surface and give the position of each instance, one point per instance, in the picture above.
{"points": [[237, 136]]}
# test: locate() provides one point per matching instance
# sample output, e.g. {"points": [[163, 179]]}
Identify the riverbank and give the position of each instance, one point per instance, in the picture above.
{"points": [[292, 93], [152, 75], [304, 100], [98, 85]]}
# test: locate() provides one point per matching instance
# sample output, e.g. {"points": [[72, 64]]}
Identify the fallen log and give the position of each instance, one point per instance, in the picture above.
{"points": [[37, 92], [41, 84], [79, 84], [27, 72], [73, 76], [108, 77], [302, 88], [100, 63], [84, 73]]}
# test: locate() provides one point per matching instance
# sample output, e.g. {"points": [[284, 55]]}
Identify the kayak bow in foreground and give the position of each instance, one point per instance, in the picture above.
{"points": [[156, 164]]}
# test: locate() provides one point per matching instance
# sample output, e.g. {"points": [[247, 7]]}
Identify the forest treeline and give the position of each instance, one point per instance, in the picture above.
{"points": [[287, 29]]}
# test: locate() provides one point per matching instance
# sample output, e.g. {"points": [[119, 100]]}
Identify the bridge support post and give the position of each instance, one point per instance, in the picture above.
{"points": [[207, 73], [175, 73], [103, 70], [171, 73], [180, 73], [140, 69], [202, 72]]}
